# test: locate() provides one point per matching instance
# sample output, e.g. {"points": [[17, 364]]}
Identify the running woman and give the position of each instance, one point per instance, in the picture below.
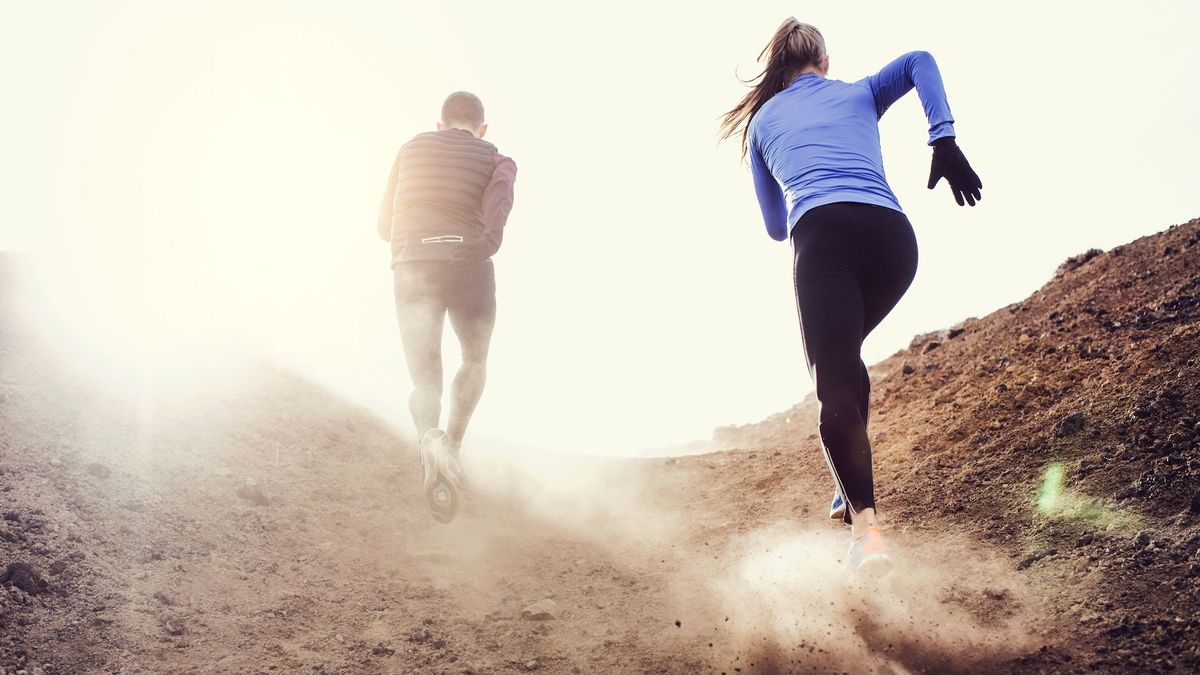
{"points": [[447, 201], [814, 152]]}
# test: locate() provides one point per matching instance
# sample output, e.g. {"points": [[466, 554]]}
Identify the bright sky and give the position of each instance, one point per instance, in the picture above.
{"points": [[217, 167]]}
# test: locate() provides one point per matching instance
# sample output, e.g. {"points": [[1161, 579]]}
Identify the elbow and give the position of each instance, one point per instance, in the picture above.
{"points": [[914, 61], [777, 231]]}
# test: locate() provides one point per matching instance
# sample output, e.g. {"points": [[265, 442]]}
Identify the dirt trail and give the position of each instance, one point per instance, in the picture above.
{"points": [[260, 524]]}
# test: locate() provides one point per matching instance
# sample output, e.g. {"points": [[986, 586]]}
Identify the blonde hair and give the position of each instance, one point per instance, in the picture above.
{"points": [[794, 47]]}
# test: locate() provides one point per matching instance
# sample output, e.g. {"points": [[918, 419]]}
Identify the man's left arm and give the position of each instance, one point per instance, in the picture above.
{"points": [[498, 200]]}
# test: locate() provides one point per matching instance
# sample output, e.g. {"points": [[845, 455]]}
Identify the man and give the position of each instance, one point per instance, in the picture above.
{"points": [[444, 211]]}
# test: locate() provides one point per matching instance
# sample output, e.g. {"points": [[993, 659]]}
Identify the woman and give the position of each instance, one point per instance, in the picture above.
{"points": [[815, 142]]}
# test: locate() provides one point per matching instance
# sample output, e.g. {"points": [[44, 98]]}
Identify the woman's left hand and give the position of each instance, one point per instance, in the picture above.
{"points": [[950, 163]]}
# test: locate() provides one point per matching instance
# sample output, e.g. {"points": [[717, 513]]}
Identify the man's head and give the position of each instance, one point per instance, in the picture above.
{"points": [[463, 110]]}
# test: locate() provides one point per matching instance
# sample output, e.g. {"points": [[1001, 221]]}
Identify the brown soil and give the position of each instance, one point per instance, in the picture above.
{"points": [[264, 525]]}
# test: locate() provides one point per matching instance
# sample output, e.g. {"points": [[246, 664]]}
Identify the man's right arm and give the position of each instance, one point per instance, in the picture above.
{"points": [[384, 224]]}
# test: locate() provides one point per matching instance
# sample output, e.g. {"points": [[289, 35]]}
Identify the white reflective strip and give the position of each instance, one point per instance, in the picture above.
{"points": [[445, 239]]}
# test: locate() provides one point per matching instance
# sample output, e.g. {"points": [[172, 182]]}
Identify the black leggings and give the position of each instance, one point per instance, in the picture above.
{"points": [[426, 293], [853, 262]]}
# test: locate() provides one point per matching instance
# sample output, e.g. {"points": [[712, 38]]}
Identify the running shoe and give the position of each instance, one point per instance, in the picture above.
{"points": [[837, 509], [454, 468], [869, 554], [440, 492]]}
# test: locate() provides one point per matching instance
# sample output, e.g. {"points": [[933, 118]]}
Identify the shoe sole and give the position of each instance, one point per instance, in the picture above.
{"points": [[440, 492], [874, 565], [839, 513], [443, 500]]}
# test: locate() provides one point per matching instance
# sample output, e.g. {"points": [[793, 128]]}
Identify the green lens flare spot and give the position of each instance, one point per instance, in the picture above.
{"points": [[1051, 492]]}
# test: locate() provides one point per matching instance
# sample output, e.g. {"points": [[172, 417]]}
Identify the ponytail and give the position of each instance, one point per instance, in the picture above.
{"points": [[794, 47]]}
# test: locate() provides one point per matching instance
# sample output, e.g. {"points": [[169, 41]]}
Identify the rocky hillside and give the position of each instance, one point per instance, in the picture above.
{"points": [[1064, 428], [1038, 472]]}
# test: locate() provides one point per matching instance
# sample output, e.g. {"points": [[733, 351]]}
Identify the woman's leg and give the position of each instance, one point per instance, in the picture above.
{"points": [[830, 304], [853, 262]]}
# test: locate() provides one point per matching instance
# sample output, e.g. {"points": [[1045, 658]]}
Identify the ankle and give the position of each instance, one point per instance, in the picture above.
{"points": [[862, 521]]}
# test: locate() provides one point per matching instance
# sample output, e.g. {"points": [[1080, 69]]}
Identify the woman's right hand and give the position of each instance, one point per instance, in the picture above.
{"points": [[950, 163]]}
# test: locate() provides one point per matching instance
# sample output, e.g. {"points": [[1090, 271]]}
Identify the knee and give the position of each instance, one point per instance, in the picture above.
{"points": [[842, 406], [428, 389], [474, 362]]}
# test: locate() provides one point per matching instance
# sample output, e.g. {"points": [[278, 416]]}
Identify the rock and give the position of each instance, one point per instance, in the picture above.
{"points": [[1036, 556], [12, 516], [174, 625], [1194, 507], [56, 462], [932, 345], [419, 636], [99, 470], [21, 574], [252, 492], [382, 650], [1070, 424], [532, 665], [1141, 539], [542, 610], [34, 523], [1075, 262], [58, 567], [908, 370], [954, 332], [1085, 539], [997, 594]]}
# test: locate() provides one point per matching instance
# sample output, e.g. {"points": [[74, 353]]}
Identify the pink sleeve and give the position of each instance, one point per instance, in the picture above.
{"points": [[498, 200]]}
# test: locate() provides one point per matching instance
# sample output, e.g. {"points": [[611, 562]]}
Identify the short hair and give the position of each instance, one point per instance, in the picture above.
{"points": [[463, 107]]}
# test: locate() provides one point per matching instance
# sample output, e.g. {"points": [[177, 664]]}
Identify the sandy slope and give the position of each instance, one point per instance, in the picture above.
{"points": [[258, 524]]}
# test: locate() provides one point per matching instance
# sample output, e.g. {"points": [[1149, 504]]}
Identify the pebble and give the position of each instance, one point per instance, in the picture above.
{"points": [[174, 626], [252, 492], [532, 665], [99, 470], [542, 610]]}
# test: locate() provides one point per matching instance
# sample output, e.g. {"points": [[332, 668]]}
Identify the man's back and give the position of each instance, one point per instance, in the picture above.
{"points": [[437, 194]]}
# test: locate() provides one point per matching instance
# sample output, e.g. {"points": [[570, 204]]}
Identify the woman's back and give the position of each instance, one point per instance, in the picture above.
{"points": [[819, 139]]}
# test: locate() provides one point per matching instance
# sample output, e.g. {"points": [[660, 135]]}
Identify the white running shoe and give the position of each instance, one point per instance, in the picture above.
{"points": [[438, 484]]}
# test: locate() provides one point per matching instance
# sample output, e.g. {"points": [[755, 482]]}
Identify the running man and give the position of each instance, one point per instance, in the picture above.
{"points": [[815, 142], [444, 211]]}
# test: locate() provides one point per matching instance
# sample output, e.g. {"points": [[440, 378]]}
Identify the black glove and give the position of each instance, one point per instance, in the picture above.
{"points": [[948, 161], [471, 253]]}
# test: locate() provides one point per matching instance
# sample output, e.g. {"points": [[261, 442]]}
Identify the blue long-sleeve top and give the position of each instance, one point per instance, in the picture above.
{"points": [[817, 141]]}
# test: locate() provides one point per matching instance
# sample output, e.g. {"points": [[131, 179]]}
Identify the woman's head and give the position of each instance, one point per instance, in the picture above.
{"points": [[798, 46], [795, 48]]}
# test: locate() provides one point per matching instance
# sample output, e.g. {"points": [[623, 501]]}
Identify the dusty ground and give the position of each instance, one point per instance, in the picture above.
{"points": [[259, 524]]}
